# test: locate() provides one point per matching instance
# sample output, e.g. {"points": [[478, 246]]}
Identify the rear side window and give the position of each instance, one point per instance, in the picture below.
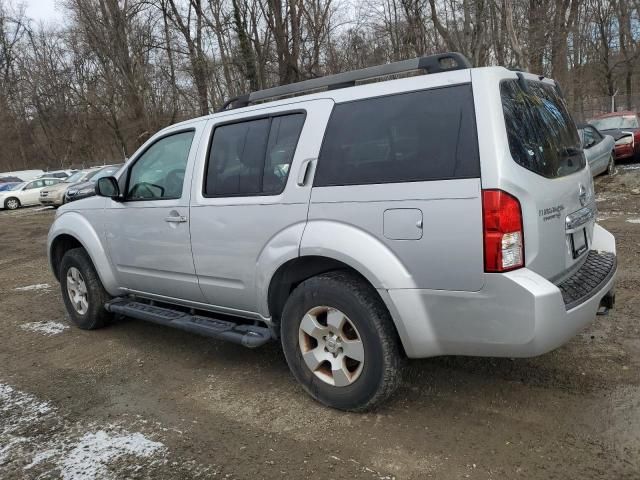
{"points": [[542, 136], [409, 137], [252, 157]]}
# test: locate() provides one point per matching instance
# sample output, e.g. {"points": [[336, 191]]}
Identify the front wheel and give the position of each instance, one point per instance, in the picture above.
{"points": [[82, 291], [611, 166], [340, 342], [11, 203]]}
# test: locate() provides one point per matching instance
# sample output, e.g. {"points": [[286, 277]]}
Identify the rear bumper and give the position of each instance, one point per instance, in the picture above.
{"points": [[516, 314]]}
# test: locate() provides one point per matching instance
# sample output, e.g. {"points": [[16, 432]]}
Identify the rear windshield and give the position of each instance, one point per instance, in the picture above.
{"points": [[612, 123], [542, 136]]}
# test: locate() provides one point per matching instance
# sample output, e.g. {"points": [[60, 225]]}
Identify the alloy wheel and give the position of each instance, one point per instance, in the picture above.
{"points": [[77, 291], [331, 346]]}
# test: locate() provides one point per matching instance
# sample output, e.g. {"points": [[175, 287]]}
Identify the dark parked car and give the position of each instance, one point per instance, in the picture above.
{"points": [[87, 189], [624, 127]]}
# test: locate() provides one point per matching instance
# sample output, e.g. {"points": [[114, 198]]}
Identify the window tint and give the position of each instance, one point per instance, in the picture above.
{"points": [[252, 157], [542, 135], [159, 172], [418, 136]]}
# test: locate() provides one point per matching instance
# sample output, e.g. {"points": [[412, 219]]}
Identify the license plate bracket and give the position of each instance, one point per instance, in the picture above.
{"points": [[579, 242]]}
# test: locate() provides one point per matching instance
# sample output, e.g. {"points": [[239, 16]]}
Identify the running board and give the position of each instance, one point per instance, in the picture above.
{"points": [[250, 336]]}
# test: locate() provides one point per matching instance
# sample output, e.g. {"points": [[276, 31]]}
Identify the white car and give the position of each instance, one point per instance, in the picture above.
{"points": [[25, 194]]}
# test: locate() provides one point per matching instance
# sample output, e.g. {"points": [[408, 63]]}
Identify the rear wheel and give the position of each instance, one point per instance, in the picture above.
{"points": [[11, 203], [611, 166], [340, 342], [82, 291]]}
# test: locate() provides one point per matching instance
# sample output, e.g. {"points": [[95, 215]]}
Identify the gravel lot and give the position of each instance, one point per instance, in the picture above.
{"points": [[137, 400]]}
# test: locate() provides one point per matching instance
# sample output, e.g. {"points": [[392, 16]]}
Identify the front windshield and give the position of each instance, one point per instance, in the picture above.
{"points": [[76, 177], [613, 123], [18, 186], [105, 172]]}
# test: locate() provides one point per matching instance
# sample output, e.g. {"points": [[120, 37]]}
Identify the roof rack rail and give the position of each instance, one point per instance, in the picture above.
{"points": [[442, 62]]}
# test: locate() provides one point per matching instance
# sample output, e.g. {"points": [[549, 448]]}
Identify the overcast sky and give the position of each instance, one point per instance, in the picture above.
{"points": [[43, 10]]}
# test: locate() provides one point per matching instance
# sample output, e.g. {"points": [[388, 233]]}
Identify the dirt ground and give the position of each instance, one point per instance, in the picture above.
{"points": [[136, 400]]}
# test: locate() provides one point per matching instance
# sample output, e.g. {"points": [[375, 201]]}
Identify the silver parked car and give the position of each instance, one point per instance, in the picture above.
{"points": [[598, 149], [450, 213]]}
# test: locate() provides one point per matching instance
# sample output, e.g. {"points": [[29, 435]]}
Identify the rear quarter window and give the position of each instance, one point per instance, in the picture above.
{"points": [[542, 135], [409, 137]]}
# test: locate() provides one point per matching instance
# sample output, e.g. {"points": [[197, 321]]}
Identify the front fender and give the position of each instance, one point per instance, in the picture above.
{"points": [[358, 249], [77, 226]]}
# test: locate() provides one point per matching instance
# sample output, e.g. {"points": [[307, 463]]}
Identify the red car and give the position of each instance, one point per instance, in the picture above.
{"points": [[624, 127]]}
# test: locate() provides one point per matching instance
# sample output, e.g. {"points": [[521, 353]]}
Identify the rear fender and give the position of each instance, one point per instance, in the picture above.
{"points": [[364, 253], [358, 249]]}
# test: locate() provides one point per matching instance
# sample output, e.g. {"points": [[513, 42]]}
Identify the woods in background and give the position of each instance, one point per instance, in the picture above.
{"points": [[96, 86]]}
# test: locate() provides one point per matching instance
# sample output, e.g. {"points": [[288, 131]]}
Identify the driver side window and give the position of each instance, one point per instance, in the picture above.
{"points": [[159, 172]]}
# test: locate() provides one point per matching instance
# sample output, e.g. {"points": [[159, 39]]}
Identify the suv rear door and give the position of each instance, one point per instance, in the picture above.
{"points": [[250, 198], [530, 148]]}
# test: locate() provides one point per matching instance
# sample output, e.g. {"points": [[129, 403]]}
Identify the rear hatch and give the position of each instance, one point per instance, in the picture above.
{"points": [[552, 179]]}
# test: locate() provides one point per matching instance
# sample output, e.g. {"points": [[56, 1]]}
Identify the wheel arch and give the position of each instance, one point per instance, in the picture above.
{"points": [[295, 271], [72, 230]]}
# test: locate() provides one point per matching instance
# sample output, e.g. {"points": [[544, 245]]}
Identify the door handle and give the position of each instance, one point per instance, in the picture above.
{"points": [[176, 219], [304, 171]]}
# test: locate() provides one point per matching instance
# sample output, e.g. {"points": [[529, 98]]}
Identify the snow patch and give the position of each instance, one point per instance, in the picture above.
{"points": [[28, 409], [37, 286], [34, 430], [46, 328], [633, 220], [92, 453]]}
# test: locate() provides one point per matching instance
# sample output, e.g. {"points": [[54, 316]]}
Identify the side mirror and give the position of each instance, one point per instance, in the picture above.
{"points": [[108, 187]]}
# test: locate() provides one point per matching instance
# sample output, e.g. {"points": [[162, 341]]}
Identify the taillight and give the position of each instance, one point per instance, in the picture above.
{"points": [[503, 232]]}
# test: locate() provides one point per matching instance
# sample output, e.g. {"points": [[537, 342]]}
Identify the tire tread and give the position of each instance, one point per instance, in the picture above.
{"points": [[393, 356], [97, 316]]}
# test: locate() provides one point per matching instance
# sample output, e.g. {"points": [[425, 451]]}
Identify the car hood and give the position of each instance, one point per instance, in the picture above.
{"points": [[618, 133], [57, 187], [82, 185]]}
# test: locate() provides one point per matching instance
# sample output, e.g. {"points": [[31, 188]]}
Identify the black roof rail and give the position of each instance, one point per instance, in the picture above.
{"points": [[442, 62]]}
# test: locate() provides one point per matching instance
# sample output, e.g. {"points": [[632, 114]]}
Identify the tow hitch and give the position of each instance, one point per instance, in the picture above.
{"points": [[607, 303]]}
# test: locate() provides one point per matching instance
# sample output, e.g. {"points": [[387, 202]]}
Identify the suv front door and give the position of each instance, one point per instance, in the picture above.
{"points": [[148, 231]]}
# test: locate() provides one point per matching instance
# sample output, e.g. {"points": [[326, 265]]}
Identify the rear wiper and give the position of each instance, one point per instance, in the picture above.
{"points": [[569, 151]]}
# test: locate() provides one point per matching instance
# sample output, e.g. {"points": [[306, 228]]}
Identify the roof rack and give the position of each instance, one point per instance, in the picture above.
{"points": [[442, 62]]}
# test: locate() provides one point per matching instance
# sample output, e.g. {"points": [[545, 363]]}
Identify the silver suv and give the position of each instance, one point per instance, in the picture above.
{"points": [[448, 213]]}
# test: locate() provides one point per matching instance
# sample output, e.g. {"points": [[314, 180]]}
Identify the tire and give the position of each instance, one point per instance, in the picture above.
{"points": [[611, 166], [92, 315], [369, 382], [12, 203]]}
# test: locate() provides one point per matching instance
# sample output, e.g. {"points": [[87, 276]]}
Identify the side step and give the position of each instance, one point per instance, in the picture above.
{"points": [[250, 336]]}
